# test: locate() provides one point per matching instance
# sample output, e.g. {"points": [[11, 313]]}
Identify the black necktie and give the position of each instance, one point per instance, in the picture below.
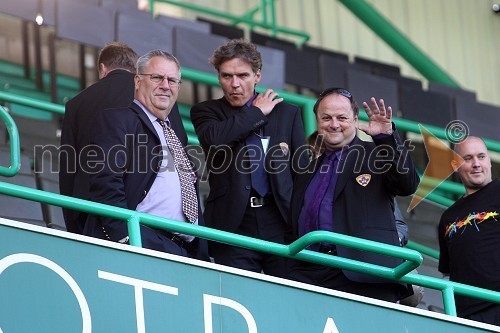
{"points": [[260, 181]]}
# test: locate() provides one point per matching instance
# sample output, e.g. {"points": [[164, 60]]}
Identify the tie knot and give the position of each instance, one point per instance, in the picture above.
{"points": [[163, 123]]}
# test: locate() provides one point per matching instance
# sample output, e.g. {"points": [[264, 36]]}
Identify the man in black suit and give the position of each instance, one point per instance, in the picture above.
{"points": [[141, 165], [350, 190], [251, 142], [115, 88]]}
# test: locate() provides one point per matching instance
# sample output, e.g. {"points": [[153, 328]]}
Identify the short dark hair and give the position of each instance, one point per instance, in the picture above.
{"points": [[117, 55], [237, 48], [337, 91]]}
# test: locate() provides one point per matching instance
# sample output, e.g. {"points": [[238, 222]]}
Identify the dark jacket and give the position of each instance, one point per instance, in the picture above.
{"points": [[131, 150], [115, 90], [222, 130], [364, 211]]}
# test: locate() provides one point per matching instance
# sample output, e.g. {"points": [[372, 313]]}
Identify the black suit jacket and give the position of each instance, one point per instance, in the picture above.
{"points": [[364, 211], [222, 130], [115, 90], [127, 142]]}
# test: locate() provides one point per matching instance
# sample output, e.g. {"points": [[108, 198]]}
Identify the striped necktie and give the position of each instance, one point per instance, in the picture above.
{"points": [[187, 177]]}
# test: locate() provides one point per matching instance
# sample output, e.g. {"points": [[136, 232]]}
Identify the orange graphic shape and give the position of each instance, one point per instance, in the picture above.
{"points": [[438, 169]]}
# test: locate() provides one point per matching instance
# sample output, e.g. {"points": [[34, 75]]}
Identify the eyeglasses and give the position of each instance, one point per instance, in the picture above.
{"points": [[157, 78], [340, 91]]}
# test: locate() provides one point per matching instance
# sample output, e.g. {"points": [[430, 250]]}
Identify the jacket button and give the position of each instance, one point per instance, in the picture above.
{"points": [[248, 187], [145, 192]]}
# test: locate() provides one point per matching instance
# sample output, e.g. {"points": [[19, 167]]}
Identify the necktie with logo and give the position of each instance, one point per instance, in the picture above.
{"points": [[186, 174]]}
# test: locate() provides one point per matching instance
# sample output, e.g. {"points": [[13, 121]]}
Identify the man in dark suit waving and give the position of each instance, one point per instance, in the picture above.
{"points": [[141, 164], [350, 190], [251, 142]]}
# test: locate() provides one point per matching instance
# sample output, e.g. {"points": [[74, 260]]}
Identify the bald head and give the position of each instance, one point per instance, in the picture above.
{"points": [[475, 172], [468, 143]]}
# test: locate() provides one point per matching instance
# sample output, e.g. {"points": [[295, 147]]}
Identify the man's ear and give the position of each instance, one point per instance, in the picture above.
{"points": [[137, 80], [103, 70], [257, 77]]}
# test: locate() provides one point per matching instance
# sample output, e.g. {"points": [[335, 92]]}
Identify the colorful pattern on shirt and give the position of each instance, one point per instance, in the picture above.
{"points": [[471, 219]]}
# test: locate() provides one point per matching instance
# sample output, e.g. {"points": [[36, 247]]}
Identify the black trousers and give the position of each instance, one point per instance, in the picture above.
{"points": [[265, 223], [334, 278], [489, 315]]}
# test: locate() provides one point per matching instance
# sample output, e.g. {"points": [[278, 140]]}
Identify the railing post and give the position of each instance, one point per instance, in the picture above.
{"points": [[449, 301], [15, 146], [309, 117], [134, 231], [274, 30], [263, 9], [151, 7]]}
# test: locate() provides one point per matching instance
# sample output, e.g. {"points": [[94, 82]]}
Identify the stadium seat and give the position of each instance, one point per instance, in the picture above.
{"points": [[26, 9], [479, 118], [84, 23], [45, 168], [262, 39], [172, 22], [426, 107], [142, 33], [365, 85], [36, 132], [222, 29], [194, 48], [15, 208], [332, 71], [273, 68], [301, 67], [378, 68]]}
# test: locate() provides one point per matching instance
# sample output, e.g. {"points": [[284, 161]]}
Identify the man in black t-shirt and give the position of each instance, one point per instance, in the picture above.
{"points": [[469, 232]]}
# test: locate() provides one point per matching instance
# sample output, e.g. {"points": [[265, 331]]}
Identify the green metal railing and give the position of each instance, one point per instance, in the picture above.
{"points": [[266, 7], [411, 259], [59, 109], [15, 147], [306, 103]]}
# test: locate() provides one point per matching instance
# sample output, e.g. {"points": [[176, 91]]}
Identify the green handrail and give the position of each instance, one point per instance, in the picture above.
{"points": [[15, 147], [306, 103], [59, 109], [411, 259], [296, 250], [402, 45], [423, 249], [246, 18]]}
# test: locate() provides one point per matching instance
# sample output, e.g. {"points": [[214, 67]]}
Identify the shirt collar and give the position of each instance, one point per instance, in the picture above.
{"points": [[340, 152], [151, 116], [250, 101]]}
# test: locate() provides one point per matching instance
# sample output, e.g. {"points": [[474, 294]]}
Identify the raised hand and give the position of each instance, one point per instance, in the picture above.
{"points": [[267, 101], [379, 118]]}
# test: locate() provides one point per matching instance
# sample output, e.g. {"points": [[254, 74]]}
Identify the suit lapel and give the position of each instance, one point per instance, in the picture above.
{"points": [[346, 165], [227, 109], [272, 126], [305, 178], [144, 119]]}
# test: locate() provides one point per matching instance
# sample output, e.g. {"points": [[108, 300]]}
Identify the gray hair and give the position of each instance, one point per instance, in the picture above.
{"points": [[144, 60]]}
